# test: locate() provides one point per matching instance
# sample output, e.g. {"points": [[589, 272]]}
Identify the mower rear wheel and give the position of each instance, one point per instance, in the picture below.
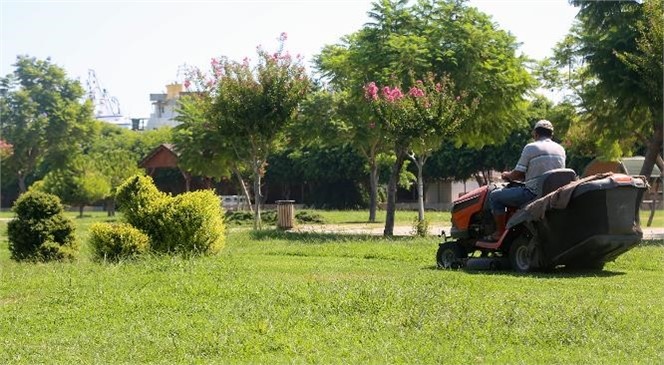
{"points": [[450, 255], [520, 256]]}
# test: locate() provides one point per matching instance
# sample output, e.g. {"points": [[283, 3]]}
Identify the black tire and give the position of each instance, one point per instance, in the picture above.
{"points": [[520, 256], [450, 255]]}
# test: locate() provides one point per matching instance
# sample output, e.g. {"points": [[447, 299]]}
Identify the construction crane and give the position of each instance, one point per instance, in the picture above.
{"points": [[106, 107]]}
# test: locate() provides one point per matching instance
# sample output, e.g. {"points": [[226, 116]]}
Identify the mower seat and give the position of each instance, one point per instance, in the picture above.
{"points": [[554, 179]]}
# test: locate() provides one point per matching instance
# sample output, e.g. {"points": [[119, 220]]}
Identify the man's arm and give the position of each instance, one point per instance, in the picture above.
{"points": [[513, 175]]}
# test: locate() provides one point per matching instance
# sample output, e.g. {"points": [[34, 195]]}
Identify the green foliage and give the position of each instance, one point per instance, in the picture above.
{"points": [[42, 117], [187, 223], [238, 217], [420, 227], [270, 216], [613, 67], [40, 231], [308, 217], [78, 184], [137, 197], [116, 242], [201, 151], [249, 108], [192, 224]]}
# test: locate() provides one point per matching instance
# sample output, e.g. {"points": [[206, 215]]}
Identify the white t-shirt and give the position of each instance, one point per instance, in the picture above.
{"points": [[539, 157]]}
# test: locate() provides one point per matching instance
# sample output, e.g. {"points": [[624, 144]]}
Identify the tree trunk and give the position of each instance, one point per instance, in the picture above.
{"points": [[420, 190], [257, 198], [80, 210], [652, 152], [419, 162], [110, 207], [187, 180], [392, 192], [479, 179], [373, 187], [21, 183], [245, 192]]}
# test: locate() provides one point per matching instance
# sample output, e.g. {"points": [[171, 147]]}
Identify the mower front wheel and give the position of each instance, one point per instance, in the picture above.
{"points": [[520, 256], [450, 255]]}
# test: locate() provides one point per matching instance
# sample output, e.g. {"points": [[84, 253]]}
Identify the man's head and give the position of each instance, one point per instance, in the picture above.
{"points": [[543, 129]]}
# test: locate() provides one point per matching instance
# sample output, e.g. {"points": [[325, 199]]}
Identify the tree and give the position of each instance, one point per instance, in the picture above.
{"points": [[202, 150], [251, 106], [617, 50], [429, 110], [79, 184], [42, 117], [337, 117], [403, 44]]}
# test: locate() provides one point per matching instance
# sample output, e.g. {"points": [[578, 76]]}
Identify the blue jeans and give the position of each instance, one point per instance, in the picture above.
{"points": [[500, 199]]}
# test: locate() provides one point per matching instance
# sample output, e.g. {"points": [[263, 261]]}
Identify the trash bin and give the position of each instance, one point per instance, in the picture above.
{"points": [[285, 214]]}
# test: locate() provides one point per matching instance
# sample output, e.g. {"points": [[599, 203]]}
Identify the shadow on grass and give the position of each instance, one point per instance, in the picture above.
{"points": [[320, 237], [652, 243], [558, 273], [361, 222]]}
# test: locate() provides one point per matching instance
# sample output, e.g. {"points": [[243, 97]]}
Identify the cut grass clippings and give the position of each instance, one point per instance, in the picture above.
{"points": [[280, 297]]}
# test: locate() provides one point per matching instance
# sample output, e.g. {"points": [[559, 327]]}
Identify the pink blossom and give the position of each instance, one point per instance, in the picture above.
{"points": [[187, 83], [392, 95], [458, 98], [416, 92], [283, 36], [439, 87], [371, 91], [245, 61]]}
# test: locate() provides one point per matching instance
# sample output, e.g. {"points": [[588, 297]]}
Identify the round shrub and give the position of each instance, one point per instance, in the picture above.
{"points": [[192, 223], [40, 231], [115, 242], [142, 205], [138, 196]]}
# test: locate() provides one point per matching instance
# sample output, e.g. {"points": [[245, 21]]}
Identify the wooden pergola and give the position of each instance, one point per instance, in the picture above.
{"points": [[164, 156]]}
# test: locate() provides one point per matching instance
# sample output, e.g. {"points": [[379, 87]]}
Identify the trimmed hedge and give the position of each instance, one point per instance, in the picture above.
{"points": [[188, 223], [41, 231], [192, 223], [115, 242]]}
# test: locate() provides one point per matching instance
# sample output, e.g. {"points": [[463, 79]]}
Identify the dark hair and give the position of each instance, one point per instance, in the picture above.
{"points": [[543, 132]]}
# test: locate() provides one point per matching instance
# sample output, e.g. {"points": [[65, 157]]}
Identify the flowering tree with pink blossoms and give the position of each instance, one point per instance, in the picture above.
{"points": [[417, 121], [249, 106]]}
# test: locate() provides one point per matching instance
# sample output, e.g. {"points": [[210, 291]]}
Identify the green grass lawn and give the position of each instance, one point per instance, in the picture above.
{"points": [[314, 298]]}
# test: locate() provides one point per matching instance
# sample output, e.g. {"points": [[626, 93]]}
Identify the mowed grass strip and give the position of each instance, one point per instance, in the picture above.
{"points": [[279, 297]]}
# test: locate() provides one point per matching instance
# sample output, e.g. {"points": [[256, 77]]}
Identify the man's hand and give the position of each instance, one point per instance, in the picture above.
{"points": [[513, 176]]}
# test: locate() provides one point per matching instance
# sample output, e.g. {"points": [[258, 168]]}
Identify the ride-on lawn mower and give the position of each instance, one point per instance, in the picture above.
{"points": [[581, 224]]}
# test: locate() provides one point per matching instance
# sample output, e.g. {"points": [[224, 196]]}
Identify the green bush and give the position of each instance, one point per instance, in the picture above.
{"points": [[142, 205], [188, 223], [305, 216], [115, 242], [40, 231], [137, 197], [269, 216], [238, 217], [193, 223], [420, 227]]}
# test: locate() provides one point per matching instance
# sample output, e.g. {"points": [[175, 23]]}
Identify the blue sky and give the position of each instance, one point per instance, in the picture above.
{"points": [[135, 47]]}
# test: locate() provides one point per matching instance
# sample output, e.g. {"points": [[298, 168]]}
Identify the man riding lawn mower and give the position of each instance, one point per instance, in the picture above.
{"points": [[550, 219]]}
